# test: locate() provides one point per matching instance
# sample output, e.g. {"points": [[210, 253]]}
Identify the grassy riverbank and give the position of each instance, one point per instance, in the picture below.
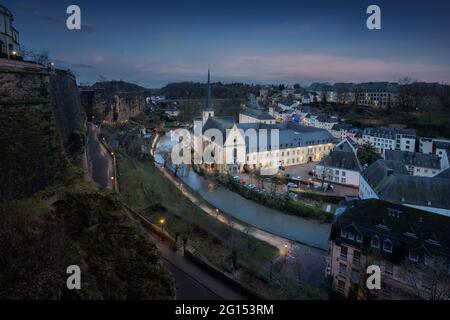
{"points": [[147, 190]]}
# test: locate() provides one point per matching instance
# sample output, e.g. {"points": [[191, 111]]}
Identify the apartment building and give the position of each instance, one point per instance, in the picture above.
{"points": [[410, 247]]}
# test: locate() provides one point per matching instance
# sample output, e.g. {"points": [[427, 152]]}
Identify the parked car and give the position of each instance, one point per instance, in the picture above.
{"points": [[291, 185], [297, 178], [237, 178], [282, 168], [312, 173], [250, 186]]}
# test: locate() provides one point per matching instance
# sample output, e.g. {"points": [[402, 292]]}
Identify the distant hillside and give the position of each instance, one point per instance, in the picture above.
{"points": [[195, 90], [119, 86]]}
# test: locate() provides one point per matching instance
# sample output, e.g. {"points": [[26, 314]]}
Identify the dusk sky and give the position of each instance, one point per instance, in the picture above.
{"points": [[155, 42]]}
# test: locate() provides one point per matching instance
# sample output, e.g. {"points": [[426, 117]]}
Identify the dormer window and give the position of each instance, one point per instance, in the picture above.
{"points": [[358, 238], [351, 236], [375, 243], [387, 246], [343, 233], [413, 256]]}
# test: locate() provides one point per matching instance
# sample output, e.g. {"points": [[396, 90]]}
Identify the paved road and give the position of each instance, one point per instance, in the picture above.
{"points": [[192, 281], [99, 159]]}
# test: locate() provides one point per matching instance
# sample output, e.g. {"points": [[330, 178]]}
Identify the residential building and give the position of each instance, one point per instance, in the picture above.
{"points": [[390, 139], [417, 164], [411, 249], [341, 166], [325, 122], [9, 36], [390, 181], [250, 115], [377, 94]]}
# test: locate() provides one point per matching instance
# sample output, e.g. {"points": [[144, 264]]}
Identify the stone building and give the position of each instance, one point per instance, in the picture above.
{"points": [[9, 37]]}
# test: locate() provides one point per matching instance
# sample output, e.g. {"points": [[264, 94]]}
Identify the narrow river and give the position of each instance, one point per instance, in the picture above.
{"points": [[309, 232]]}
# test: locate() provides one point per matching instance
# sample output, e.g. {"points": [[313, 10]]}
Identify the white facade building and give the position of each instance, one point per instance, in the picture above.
{"points": [[9, 36]]}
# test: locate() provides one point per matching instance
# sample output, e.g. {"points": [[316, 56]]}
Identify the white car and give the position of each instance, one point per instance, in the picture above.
{"points": [[250, 186], [291, 185]]}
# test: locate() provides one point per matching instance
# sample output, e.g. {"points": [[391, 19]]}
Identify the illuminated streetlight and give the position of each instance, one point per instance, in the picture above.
{"points": [[162, 221]]}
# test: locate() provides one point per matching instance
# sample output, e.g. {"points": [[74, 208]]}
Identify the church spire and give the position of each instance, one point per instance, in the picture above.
{"points": [[208, 105], [208, 112]]}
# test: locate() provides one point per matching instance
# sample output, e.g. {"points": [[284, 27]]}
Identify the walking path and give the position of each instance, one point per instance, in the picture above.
{"points": [[280, 243]]}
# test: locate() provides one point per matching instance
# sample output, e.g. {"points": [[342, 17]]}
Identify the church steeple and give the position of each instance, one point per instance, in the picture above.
{"points": [[208, 105], [208, 111]]}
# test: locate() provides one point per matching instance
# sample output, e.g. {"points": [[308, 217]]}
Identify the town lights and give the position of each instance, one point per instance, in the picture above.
{"points": [[14, 53]]}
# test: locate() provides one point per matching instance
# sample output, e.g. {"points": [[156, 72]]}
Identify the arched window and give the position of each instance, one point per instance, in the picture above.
{"points": [[387, 246]]}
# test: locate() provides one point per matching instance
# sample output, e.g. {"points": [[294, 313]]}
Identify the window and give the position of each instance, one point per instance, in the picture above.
{"points": [[343, 233], [342, 270], [375, 242], [389, 269], [351, 236], [356, 256], [427, 284], [343, 173], [413, 256], [344, 251], [358, 238], [387, 246], [341, 286]]}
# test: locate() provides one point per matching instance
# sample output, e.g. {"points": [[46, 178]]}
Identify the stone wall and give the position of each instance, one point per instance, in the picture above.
{"points": [[69, 114], [41, 122], [112, 107]]}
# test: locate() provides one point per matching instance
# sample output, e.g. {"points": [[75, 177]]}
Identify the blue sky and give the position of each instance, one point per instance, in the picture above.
{"points": [[156, 42]]}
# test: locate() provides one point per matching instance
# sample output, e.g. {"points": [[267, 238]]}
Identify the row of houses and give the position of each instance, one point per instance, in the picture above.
{"points": [[374, 94]]}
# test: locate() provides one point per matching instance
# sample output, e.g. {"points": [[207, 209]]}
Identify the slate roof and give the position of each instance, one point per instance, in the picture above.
{"points": [[258, 114], [378, 87], [414, 158], [444, 174], [388, 133], [391, 182], [292, 135], [407, 228], [342, 157]]}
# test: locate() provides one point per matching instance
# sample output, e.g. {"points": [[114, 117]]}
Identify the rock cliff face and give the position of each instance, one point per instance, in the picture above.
{"points": [[70, 117], [32, 156], [50, 218], [113, 102]]}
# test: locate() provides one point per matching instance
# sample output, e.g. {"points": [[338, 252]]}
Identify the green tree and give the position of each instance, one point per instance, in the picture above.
{"points": [[367, 154]]}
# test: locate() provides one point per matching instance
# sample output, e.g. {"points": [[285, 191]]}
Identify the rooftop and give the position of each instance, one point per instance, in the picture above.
{"points": [[391, 181], [407, 228], [414, 158]]}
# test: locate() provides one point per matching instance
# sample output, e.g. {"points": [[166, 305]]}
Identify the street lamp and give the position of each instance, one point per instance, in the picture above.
{"points": [[162, 221]]}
